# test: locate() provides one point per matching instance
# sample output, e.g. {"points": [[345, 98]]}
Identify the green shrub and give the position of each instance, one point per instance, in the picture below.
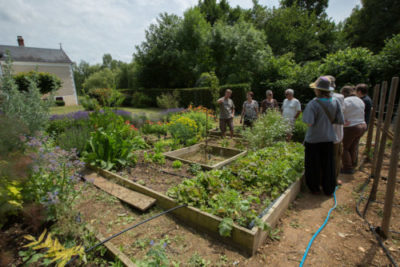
{"points": [[388, 60], [112, 144], [46, 82], [349, 66], [75, 137], [168, 100], [89, 104], [104, 78], [11, 135], [183, 129], [300, 129], [140, 100], [177, 164], [198, 114], [107, 97], [60, 103], [267, 130], [25, 107], [157, 128]]}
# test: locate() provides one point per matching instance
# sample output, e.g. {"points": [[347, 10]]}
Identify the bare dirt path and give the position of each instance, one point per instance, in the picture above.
{"points": [[345, 241]]}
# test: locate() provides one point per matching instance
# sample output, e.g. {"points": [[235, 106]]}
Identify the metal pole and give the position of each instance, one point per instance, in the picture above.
{"points": [[371, 123], [382, 146], [391, 183]]}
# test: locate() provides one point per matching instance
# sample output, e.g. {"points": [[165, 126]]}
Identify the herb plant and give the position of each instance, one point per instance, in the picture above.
{"points": [[177, 164]]}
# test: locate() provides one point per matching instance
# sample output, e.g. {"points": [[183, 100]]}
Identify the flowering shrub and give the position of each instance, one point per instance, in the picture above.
{"points": [[183, 129], [113, 141], [53, 176]]}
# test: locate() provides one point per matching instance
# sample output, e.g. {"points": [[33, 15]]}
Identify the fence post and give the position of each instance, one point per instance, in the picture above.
{"points": [[382, 146], [391, 183], [382, 103], [372, 121]]}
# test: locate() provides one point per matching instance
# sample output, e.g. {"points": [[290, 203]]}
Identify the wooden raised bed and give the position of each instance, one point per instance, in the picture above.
{"points": [[230, 154], [245, 240]]}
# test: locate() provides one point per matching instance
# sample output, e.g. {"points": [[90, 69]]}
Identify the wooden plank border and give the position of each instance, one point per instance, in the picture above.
{"points": [[243, 239]]}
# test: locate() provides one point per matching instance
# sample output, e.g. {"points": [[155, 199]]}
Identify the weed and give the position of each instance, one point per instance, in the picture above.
{"points": [[198, 261]]}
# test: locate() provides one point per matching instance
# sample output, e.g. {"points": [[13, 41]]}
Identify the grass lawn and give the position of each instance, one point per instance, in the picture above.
{"points": [[68, 109]]}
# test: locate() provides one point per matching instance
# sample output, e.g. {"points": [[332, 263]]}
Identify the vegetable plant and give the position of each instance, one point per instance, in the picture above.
{"points": [[239, 192], [177, 164]]}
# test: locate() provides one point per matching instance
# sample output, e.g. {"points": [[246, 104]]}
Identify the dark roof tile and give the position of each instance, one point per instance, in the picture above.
{"points": [[33, 54]]}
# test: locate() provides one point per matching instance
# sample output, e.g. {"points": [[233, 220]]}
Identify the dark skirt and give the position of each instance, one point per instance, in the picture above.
{"points": [[320, 167]]}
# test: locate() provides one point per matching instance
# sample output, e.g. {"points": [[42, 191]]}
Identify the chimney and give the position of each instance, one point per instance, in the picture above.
{"points": [[20, 41]]}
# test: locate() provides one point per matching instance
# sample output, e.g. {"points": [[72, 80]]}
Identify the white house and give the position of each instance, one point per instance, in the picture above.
{"points": [[53, 61]]}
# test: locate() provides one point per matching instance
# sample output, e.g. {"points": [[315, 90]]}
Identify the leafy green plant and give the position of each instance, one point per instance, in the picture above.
{"points": [[195, 168], [74, 138], [239, 192], [25, 107], [299, 130], [112, 144], [168, 100], [267, 130], [53, 177], [89, 103], [45, 81], [177, 164], [156, 256], [157, 128], [197, 260]]}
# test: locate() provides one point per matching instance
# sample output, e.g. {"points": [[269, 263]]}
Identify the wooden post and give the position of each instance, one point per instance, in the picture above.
{"points": [[391, 183], [371, 123], [382, 146], [382, 103]]}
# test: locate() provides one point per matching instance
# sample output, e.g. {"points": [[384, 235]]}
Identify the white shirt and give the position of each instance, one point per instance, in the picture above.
{"points": [[353, 111], [290, 108], [338, 128]]}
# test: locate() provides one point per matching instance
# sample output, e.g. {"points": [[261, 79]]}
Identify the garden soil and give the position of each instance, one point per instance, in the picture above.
{"points": [[345, 241]]}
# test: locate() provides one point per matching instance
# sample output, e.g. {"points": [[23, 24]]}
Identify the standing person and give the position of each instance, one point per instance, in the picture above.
{"points": [[354, 128], [320, 114], [249, 111], [362, 92], [269, 102], [227, 112], [291, 109], [338, 128]]}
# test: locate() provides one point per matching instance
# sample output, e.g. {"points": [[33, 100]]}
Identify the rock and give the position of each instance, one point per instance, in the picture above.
{"points": [[361, 249]]}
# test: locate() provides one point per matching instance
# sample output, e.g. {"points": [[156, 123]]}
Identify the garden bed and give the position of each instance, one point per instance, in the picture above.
{"points": [[212, 157], [246, 240]]}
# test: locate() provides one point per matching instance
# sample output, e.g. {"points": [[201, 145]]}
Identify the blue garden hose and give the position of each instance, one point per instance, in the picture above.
{"points": [[319, 230]]}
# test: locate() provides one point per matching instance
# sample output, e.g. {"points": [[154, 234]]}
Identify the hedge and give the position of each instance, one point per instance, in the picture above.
{"points": [[195, 96]]}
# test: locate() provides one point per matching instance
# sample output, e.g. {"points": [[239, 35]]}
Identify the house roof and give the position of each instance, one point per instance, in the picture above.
{"points": [[33, 54]]}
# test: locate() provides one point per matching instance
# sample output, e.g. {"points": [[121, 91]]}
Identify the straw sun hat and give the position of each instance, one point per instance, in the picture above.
{"points": [[322, 83]]}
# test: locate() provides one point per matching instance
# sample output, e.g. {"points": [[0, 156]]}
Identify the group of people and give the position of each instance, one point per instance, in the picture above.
{"points": [[336, 121], [291, 109]]}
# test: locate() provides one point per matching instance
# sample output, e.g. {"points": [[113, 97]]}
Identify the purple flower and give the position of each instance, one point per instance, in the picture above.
{"points": [[171, 110], [152, 243], [52, 198], [78, 115], [122, 113], [165, 245]]}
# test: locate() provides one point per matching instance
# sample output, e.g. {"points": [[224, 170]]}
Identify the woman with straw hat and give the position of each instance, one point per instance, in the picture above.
{"points": [[319, 115]]}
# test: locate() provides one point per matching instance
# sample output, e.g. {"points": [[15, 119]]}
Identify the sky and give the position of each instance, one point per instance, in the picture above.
{"points": [[87, 29]]}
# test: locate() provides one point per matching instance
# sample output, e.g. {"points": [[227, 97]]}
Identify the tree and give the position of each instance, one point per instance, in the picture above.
{"points": [[316, 6], [373, 23], [388, 60], [158, 58], [349, 66], [214, 11], [295, 30], [46, 82], [104, 78], [81, 72]]}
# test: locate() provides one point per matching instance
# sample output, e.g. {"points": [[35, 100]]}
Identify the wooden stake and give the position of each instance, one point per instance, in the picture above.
{"points": [[382, 103], [371, 123], [382, 146], [391, 183]]}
